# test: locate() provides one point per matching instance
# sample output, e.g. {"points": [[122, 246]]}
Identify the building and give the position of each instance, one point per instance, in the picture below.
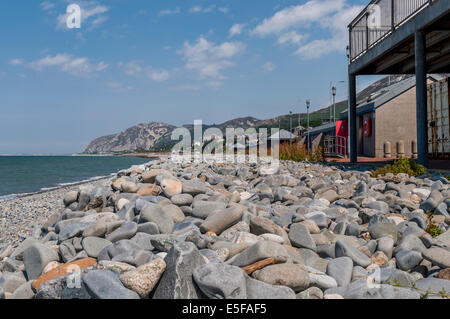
{"points": [[411, 38], [283, 136], [385, 124]]}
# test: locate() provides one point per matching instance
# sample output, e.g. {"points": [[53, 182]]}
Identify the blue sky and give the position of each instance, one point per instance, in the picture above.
{"points": [[135, 61]]}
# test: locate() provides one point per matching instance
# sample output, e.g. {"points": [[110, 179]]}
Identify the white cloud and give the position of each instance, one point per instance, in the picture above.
{"points": [[269, 67], [211, 8], [89, 11], [47, 5], [236, 29], [291, 37], [169, 12], [131, 68], [158, 75], [16, 62], [331, 16], [208, 60], [224, 9], [69, 64]]}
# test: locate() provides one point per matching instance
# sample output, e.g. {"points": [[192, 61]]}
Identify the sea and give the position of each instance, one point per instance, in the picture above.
{"points": [[27, 175]]}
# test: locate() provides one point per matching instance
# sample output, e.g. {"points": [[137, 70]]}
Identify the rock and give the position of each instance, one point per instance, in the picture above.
{"points": [[155, 214], [345, 249], [143, 279], [221, 281], [194, 187], [63, 270], [408, 259], [386, 245], [341, 269], [312, 226], [72, 230], [104, 284], [444, 274], [259, 251], [24, 292], [121, 203], [321, 280], [221, 220], [115, 266], [438, 256], [94, 245], [330, 196], [379, 258], [148, 228], [135, 257], [272, 237], [378, 205], [70, 197], [171, 187], [36, 257], [380, 230], [10, 282], [311, 293], [126, 231], [300, 237], [433, 285], [129, 187], [150, 190], [258, 290], [410, 242], [202, 209], [182, 199], [50, 266], [443, 240], [291, 275], [174, 212], [177, 282]]}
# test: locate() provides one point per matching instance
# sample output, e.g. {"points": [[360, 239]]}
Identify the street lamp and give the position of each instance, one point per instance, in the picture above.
{"points": [[334, 103], [308, 104]]}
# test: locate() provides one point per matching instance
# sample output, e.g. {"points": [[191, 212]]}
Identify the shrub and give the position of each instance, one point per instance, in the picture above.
{"points": [[406, 166], [297, 153]]}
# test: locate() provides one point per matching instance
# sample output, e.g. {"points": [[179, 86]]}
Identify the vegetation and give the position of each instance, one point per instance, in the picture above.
{"points": [[297, 153], [406, 166]]}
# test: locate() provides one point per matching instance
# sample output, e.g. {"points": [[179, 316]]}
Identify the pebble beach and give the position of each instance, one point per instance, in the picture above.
{"points": [[163, 230]]}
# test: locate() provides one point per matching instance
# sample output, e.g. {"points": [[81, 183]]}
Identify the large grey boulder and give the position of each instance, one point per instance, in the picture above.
{"points": [[259, 251], [438, 256], [341, 269], [105, 284], [222, 220], [300, 237], [94, 245], [345, 249], [202, 209], [126, 231], [155, 214], [177, 281], [36, 257]]}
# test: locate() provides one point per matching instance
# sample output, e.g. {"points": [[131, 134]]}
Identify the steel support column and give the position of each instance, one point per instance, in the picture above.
{"points": [[352, 118], [421, 98]]}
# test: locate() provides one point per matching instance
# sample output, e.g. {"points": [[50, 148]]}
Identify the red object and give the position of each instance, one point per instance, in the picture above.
{"points": [[342, 128], [367, 126]]}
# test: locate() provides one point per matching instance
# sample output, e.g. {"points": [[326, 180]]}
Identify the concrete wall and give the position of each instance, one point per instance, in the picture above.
{"points": [[395, 121]]}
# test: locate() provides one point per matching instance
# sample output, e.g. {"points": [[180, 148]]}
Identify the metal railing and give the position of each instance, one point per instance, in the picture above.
{"points": [[335, 146], [380, 19]]}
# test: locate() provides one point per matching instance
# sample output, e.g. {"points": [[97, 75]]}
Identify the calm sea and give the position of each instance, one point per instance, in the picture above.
{"points": [[21, 175]]}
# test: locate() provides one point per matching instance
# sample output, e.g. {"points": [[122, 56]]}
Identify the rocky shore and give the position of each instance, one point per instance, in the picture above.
{"points": [[191, 231]]}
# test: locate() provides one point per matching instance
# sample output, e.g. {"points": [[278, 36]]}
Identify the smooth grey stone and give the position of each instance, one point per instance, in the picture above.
{"points": [[127, 212], [126, 231], [177, 281], [211, 255], [386, 245], [202, 209], [36, 257], [353, 230], [380, 230], [434, 285], [221, 281], [135, 257], [321, 280], [10, 282], [67, 250], [432, 202], [345, 249], [410, 242], [24, 292], [341, 269], [438, 256], [371, 245], [442, 209], [340, 228], [155, 214], [359, 273], [300, 237], [84, 198], [378, 205], [94, 245], [408, 259], [182, 199], [184, 227], [12, 263], [143, 240], [72, 230], [260, 250], [320, 219], [260, 290], [117, 248], [75, 293], [443, 240], [148, 228], [326, 251], [310, 293], [194, 187], [105, 284]]}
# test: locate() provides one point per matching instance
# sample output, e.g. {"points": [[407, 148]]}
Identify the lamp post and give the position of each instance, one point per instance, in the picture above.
{"points": [[308, 104], [334, 103]]}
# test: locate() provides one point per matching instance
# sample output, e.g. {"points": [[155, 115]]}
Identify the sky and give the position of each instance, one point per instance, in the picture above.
{"points": [[141, 61]]}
